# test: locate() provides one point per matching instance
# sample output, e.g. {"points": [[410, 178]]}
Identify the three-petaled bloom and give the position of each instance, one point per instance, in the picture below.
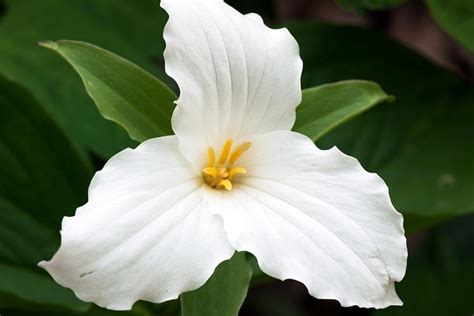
{"points": [[161, 217]]}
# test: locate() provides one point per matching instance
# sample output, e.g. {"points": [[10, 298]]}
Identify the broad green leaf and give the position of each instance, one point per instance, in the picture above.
{"points": [[25, 289], [42, 178], [370, 4], [42, 173], [130, 28], [23, 240], [457, 18], [421, 145], [224, 292], [325, 107], [123, 92]]}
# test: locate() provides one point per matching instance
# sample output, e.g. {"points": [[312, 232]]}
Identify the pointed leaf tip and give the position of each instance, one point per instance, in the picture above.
{"points": [[48, 44], [328, 106]]}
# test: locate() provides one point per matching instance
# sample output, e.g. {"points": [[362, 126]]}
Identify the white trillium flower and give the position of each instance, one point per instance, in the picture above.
{"points": [[161, 217]]}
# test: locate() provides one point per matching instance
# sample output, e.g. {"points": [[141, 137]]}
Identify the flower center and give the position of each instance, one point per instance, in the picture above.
{"points": [[219, 174]]}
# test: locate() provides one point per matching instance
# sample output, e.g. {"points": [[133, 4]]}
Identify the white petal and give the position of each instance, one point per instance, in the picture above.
{"points": [[236, 76], [317, 217], [144, 233]]}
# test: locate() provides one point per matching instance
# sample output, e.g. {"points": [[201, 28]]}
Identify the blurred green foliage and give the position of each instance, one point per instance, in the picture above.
{"points": [[422, 145], [43, 178], [132, 29]]}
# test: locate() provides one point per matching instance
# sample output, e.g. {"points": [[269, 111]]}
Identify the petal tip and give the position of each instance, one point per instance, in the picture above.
{"points": [[43, 264]]}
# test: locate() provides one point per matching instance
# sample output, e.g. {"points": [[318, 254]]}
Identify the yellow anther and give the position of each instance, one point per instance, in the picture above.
{"points": [[224, 184], [235, 171], [212, 156], [219, 176], [239, 151], [225, 151], [210, 171]]}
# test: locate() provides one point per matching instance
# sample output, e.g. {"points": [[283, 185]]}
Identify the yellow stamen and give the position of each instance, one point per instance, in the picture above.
{"points": [[235, 171], [225, 151], [219, 176], [239, 151], [212, 156], [210, 171], [224, 184]]}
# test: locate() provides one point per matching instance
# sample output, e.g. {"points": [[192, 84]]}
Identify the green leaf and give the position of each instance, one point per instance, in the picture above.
{"points": [[224, 293], [29, 290], [41, 172], [327, 106], [457, 18], [35, 242], [42, 178], [370, 4], [421, 145], [123, 92], [132, 29]]}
